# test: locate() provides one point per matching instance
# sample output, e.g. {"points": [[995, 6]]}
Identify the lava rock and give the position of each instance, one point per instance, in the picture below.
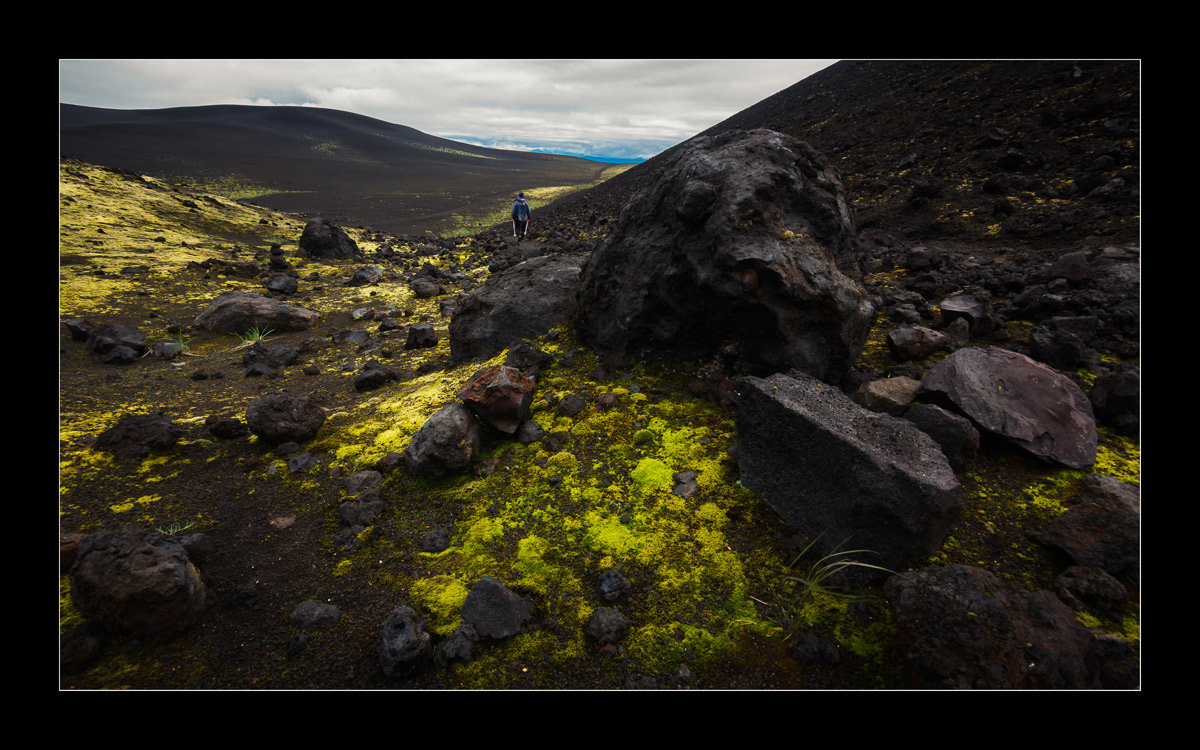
{"points": [[321, 238], [743, 247], [1019, 399], [144, 583], [135, 436], [836, 471], [494, 610], [448, 443], [282, 417]]}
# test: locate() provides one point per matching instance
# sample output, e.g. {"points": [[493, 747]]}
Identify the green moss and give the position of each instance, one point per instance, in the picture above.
{"points": [[1120, 457], [652, 474], [442, 596]]}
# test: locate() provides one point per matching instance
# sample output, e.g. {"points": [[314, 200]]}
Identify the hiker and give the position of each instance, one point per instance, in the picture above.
{"points": [[520, 217]]}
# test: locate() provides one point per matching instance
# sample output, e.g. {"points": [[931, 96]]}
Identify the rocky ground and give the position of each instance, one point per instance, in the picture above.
{"points": [[147, 254]]}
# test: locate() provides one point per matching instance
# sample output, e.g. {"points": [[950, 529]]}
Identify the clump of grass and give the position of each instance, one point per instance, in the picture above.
{"points": [[253, 336], [174, 528], [821, 574]]}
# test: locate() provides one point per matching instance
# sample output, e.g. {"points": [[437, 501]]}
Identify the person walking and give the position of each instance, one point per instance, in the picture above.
{"points": [[520, 217]]}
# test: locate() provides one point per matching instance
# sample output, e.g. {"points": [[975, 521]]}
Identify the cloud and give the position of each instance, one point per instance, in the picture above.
{"points": [[597, 107]]}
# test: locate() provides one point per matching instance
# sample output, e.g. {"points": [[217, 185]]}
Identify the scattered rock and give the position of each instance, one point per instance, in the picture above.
{"points": [[523, 302], [1019, 399], [1101, 533], [916, 342], [239, 312], [321, 238], [968, 629], [404, 646], [528, 358], [500, 396], [887, 395], [612, 585], [436, 540], [226, 428], [315, 615], [365, 275], [373, 375], [974, 307], [106, 337], [955, 434], [281, 283], [421, 336], [607, 626], [1117, 400], [135, 436], [1087, 588]]}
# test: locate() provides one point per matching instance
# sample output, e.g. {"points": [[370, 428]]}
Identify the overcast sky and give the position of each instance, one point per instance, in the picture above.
{"points": [[600, 108]]}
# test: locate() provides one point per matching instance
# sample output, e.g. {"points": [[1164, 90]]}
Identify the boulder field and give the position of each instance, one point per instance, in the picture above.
{"points": [[863, 378]]}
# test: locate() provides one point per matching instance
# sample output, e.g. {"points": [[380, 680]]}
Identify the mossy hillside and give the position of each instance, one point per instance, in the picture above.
{"points": [[708, 586]]}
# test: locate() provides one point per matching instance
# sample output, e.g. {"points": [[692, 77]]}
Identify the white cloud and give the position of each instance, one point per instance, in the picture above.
{"points": [[630, 105]]}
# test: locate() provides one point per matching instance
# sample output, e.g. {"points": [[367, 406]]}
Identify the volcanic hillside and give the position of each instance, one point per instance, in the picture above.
{"points": [[1012, 152], [620, 529], [345, 167]]}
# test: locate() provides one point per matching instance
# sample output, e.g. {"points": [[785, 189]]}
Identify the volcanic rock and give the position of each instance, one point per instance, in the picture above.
{"points": [[521, 302], [143, 583], [404, 646], [494, 610], [1017, 398], [968, 629], [323, 239], [448, 443], [105, 337], [239, 312], [137, 435], [834, 470], [499, 395], [743, 247], [282, 417]]}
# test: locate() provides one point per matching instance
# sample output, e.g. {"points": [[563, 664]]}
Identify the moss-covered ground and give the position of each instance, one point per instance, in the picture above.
{"points": [[712, 602]]}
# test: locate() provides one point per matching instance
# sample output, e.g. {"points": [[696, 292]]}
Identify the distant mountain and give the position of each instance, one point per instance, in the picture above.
{"points": [[1039, 151], [345, 166]]}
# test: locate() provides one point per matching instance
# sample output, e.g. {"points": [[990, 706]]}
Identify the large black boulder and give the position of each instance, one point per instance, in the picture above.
{"points": [[745, 248]]}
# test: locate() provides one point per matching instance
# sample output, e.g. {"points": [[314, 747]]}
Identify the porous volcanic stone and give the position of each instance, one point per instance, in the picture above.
{"points": [[845, 476], [744, 248]]}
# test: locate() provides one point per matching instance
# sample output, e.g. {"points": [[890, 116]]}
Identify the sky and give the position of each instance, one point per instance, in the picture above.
{"points": [[602, 109]]}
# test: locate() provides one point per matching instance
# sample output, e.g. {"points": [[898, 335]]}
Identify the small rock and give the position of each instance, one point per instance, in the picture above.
{"points": [[315, 615]]}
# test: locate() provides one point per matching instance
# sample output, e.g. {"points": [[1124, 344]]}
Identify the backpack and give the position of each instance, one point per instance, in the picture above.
{"points": [[521, 210]]}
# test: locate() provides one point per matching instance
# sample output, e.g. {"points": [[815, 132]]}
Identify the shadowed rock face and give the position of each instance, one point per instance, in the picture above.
{"points": [[743, 248]]}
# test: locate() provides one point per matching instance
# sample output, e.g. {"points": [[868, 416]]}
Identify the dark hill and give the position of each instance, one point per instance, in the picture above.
{"points": [[1035, 152], [348, 167]]}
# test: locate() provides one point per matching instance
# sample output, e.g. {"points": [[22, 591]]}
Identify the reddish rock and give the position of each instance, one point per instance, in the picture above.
{"points": [[499, 395]]}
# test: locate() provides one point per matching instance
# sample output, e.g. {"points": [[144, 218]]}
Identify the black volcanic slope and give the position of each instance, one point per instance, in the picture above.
{"points": [[345, 166], [1034, 152]]}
